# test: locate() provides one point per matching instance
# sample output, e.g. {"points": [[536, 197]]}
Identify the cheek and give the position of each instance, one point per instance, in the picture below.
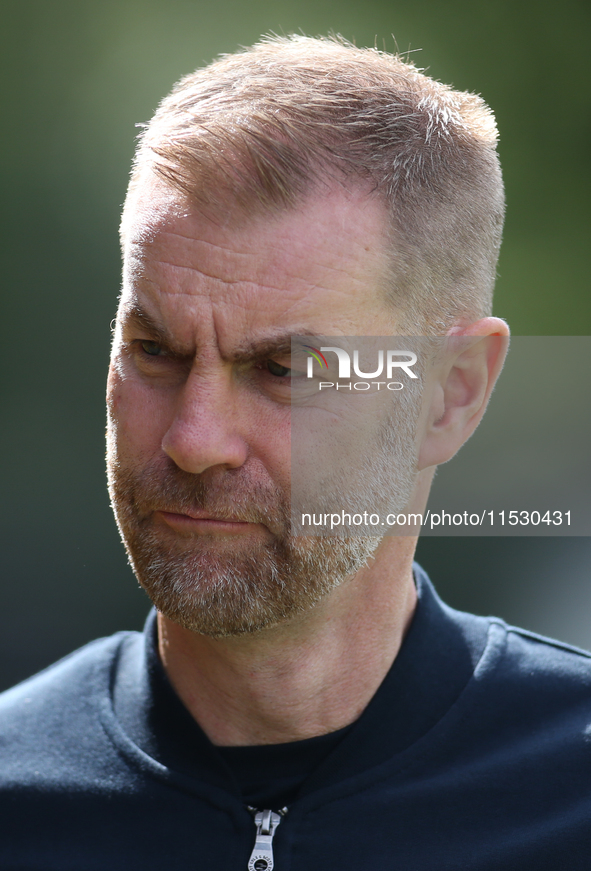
{"points": [[270, 442], [138, 416]]}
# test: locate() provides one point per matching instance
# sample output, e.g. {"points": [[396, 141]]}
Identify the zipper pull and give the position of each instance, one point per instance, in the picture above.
{"points": [[261, 858]]}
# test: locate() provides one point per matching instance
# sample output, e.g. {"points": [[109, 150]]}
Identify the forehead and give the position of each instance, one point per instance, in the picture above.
{"points": [[322, 266]]}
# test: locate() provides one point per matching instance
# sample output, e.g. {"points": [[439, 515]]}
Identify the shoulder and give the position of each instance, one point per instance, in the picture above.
{"points": [[51, 721], [529, 699], [61, 682], [517, 675], [527, 656], [541, 673]]}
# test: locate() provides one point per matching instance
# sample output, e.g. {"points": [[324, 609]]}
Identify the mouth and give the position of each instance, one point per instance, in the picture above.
{"points": [[204, 522]]}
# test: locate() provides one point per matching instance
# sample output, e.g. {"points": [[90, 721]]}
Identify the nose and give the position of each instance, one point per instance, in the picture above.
{"points": [[206, 431]]}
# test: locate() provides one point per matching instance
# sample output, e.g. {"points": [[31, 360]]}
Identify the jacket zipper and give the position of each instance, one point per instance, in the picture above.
{"points": [[261, 858]]}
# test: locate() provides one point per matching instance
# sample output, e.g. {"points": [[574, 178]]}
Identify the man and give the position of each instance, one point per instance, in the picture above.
{"points": [[298, 701]]}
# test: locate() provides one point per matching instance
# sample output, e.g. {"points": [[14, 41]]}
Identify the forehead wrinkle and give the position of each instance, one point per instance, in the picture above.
{"points": [[280, 251], [141, 275], [246, 286], [274, 238], [200, 270], [166, 230], [294, 284], [156, 286], [144, 251]]}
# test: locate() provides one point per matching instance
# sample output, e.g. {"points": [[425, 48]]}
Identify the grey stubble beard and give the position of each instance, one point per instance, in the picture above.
{"points": [[220, 592], [230, 591]]}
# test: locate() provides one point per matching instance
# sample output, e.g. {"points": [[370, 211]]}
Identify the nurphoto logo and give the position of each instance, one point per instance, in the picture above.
{"points": [[392, 362]]}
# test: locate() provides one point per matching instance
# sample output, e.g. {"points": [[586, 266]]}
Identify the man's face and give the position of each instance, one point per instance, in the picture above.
{"points": [[199, 402]]}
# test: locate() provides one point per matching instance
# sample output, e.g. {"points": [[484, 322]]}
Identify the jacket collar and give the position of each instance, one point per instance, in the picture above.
{"points": [[435, 662]]}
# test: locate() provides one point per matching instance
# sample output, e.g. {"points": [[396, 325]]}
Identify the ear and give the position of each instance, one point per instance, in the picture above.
{"points": [[462, 383]]}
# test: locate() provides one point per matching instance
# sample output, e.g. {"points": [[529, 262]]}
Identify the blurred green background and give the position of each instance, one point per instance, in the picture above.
{"points": [[77, 76]]}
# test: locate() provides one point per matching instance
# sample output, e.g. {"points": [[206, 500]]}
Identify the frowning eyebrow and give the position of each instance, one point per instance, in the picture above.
{"points": [[133, 315], [277, 345]]}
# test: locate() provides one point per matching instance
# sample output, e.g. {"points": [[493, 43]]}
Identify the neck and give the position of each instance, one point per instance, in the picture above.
{"points": [[304, 678]]}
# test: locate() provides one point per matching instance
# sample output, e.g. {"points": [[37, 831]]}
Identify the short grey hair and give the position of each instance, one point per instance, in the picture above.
{"points": [[261, 129]]}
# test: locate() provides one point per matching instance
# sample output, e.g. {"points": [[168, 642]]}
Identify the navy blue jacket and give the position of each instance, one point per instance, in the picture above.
{"points": [[475, 753]]}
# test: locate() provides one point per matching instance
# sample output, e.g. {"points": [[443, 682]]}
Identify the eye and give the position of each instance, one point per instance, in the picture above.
{"points": [[153, 349], [277, 369]]}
